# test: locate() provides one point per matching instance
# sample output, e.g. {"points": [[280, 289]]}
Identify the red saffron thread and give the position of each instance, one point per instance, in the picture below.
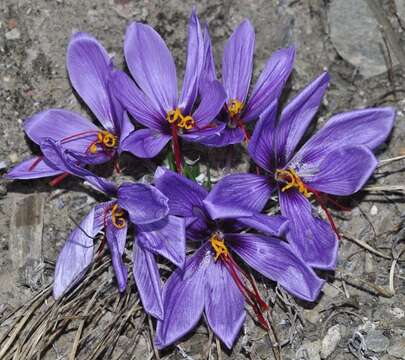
{"points": [[253, 298], [176, 149], [35, 163], [56, 181]]}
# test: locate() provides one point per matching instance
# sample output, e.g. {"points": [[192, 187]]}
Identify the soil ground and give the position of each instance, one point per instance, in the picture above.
{"points": [[361, 313]]}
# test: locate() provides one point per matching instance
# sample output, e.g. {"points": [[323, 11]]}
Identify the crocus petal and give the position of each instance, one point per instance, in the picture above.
{"points": [[296, 117], [368, 127], [228, 136], [146, 275], [224, 303], [260, 146], [89, 68], [151, 65], [34, 168], [238, 195], [135, 102], [213, 97], [195, 62], [183, 299], [126, 128], [272, 225], [166, 237], [71, 129], [120, 270], [312, 239], [274, 259], [343, 171], [69, 162], [208, 73], [185, 196], [144, 203], [145, 143], [270, 83], [77, 253], [208, 132], [237, 61]]}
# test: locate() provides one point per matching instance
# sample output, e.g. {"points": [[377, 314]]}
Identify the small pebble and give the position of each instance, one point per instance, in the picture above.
{"points": [[330, 341], [397, 349], [397, 312], [13, 34], [374, 210], [376, 341]]}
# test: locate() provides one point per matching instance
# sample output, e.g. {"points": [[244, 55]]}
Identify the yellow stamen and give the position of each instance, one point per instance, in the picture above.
{"points": [[118, 217], [235, 107], [292, 180], [93, 148], [217, 243], [173, 115], [106, 139], [176, 117], [110, 141]]}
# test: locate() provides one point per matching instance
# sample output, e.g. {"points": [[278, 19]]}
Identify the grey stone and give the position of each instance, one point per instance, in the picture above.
{"points": [[309, 350], [13, 34], [400, 5], [354, 33], [330, 341], [397, 349], [376, 341]]}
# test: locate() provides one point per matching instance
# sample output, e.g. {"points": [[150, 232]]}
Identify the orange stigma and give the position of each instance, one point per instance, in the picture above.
{"points": [[118, 217], [177, 118], [292, 180], [235, 107], [218, 245]]}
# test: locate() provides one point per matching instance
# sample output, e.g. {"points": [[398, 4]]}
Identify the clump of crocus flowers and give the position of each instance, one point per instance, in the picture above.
{"points": [[227, 230]]}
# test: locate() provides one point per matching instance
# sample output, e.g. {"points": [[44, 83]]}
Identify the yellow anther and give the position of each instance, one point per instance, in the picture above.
{"points": [[176, 117], [93, 148], [187, 123], [235, 107], [109, 140], [292, 180], [118, 217], [217, 243], [173, 115]]}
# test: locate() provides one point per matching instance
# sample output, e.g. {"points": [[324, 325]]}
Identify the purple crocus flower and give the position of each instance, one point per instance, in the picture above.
{"points": [[157, 233], [211, 280], [155, 103], [337, 160], [90, 68], [237, 64]]}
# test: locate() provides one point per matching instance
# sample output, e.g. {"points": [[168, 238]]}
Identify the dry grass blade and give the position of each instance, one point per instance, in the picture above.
{"points": [[366, 246], [385, 188]]}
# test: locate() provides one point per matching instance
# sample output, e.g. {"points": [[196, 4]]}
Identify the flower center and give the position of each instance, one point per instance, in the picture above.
{"points": [[118, 217], [177, 118], [291, 180], [105, 139], [235, 107], [218, 245]]}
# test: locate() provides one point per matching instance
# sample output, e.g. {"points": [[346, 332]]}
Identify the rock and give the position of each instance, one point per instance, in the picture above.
{"points": [[13, 34], [374, 210], [376, 341], [400, 5], [397, 312], [330, 341], [309, 350], [26, 224], [397, 349], [354, 33]]}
